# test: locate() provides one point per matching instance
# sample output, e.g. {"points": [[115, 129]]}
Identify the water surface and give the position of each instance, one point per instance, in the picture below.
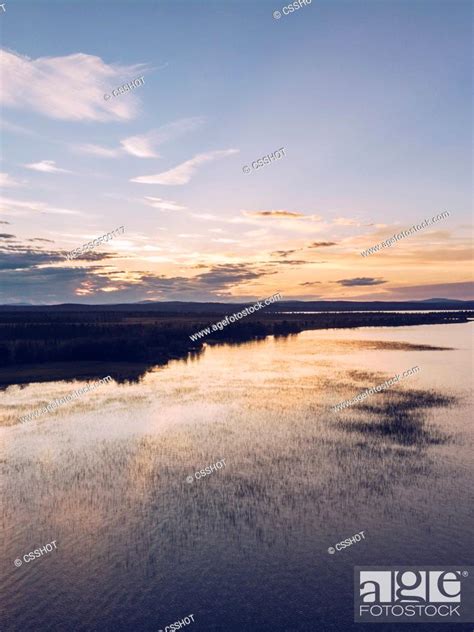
{"points": [[245, 548]]}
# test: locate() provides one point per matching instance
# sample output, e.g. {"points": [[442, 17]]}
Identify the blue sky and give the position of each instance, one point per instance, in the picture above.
{"points": [[371, 101]]}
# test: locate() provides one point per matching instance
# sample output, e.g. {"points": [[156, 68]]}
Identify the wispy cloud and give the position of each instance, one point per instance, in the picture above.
{"points": [[177, 128], [97, 150], [71, 87], [142, 146], [163, 205], [183, 173], [139, 146], [9, 206], [347, 221], [8, 181], [17, 129], [322, 244], [209, 217], [46, 166]]}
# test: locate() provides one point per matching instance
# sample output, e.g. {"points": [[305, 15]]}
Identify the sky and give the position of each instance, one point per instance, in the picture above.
{"points": [[369, 101]]}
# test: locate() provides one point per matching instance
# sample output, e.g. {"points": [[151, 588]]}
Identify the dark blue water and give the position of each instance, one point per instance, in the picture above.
{"points": [[246, 547]]}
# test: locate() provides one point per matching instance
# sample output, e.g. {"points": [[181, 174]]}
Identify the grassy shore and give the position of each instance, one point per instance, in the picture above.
{"points": [[43, 345]]}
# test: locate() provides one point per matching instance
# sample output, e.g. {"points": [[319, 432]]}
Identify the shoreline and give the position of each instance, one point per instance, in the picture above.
{"points": [[155, 343]]}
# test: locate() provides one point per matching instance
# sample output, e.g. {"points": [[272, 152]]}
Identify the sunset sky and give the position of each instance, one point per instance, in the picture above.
{"points": [[370, 100]]}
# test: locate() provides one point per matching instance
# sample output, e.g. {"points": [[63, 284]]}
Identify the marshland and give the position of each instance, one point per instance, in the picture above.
{"points": [[106, 477]]}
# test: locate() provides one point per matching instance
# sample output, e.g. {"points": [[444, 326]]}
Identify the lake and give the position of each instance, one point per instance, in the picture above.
{"points": [[245, 547]]}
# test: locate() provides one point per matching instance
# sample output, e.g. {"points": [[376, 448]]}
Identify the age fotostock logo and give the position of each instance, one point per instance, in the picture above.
{"points": [[413, 594]]}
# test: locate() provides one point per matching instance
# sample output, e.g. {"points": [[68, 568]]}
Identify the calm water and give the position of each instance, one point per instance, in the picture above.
{"points": [[245, 548], [379, 311]]}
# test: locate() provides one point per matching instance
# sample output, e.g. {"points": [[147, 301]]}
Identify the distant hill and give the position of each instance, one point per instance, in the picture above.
{"points": [[183, 307], [442, 300]]}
